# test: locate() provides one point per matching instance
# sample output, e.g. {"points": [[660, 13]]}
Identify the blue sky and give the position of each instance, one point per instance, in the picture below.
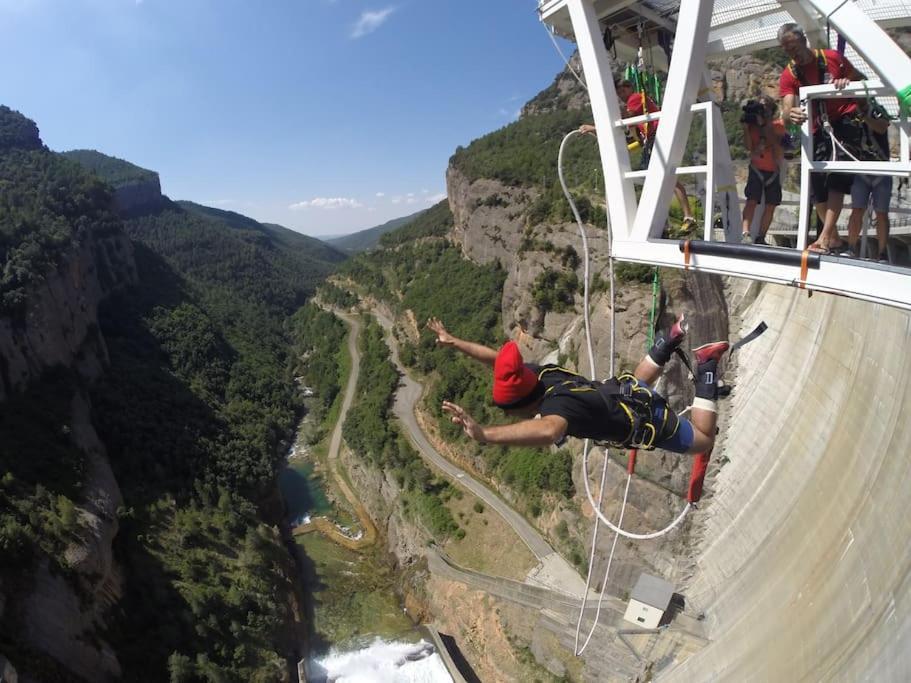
{"points": [[327, 116]]}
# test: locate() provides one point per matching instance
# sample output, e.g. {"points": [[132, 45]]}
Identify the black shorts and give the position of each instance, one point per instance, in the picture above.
{"points": [[822, 183], [763, 182]]}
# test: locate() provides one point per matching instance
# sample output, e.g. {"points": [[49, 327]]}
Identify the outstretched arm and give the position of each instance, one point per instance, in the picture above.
{"points": [[542, 432], [477, 351]]}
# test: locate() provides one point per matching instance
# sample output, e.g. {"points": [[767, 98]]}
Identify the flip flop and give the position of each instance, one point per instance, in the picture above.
{"points": [[819, 249]]}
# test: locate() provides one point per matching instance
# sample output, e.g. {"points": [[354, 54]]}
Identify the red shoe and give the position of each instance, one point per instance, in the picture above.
{"points": [[678, 331], [712, 351]]}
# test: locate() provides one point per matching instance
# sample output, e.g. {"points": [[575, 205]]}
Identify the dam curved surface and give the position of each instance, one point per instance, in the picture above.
{"points": [[802, 569]]}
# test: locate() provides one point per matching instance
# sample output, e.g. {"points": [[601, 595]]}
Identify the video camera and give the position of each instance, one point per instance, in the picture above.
{"points": [[752, 110]]}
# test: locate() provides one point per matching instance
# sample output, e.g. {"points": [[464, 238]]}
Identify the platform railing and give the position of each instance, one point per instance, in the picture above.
{"points": [[855, 90], [707, 169]]}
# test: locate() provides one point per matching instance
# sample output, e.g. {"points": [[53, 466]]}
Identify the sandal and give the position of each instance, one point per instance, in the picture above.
{"points": [[817, 248]]}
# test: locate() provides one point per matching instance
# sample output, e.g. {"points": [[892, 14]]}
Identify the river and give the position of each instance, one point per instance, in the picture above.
{"points": [[360, 630]]}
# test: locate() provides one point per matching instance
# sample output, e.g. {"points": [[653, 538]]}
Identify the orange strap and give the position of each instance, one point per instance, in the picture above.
{"points": [[686, 255], [804, 265]]}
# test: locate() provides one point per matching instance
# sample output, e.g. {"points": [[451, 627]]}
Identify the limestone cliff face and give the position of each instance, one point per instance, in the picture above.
{"points": [[61, 617], [60, 324], [138, 195]]}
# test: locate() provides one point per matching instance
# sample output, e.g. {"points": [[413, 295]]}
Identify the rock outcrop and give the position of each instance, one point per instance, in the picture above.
{"points": [[60, 323], [138, 195], [62, 616]]}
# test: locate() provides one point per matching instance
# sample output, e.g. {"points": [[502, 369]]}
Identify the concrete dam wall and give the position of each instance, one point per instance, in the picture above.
{"points": [[803, 566]]}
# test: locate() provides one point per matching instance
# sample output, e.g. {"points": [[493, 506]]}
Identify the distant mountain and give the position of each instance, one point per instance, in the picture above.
{"points": [[369, 238], [280, 235]]}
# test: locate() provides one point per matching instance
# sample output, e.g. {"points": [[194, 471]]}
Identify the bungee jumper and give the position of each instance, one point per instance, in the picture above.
{"points": [[622, 411]]}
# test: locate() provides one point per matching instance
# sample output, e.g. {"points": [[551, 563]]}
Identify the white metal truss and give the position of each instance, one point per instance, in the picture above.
{"points": [[704, 28]]}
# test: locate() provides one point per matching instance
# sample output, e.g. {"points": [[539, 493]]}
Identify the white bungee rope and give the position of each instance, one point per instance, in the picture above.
{"points": [[596, 506]]}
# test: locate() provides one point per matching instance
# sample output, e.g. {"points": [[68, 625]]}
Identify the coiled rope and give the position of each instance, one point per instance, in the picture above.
{"points": [[596, 506]]}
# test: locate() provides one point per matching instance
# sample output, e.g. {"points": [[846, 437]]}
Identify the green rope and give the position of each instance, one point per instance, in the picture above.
{"points": [[654, 312]]}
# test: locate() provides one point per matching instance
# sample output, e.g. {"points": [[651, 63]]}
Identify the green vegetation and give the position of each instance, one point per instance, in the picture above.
{"points": [[336, 296], [319, 340], [37, 513], [523, 153], [433, 280], [555, 290], [354, 595], [434, 222], [371, 434], [220, 576], [195, 412], [47, 205], [17, 132], [115, 172]]}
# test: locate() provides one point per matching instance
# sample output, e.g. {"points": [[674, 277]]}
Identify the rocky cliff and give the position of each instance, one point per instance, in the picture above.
{"points": [[60, 324], [60, 615], [138, 195]]}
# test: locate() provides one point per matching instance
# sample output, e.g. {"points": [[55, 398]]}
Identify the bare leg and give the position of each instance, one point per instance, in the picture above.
{"points": [[704, 422], [855, 222], [882, 231], [748, 210], [648, 371], [767, 216], [680, 193], [829, 236]]}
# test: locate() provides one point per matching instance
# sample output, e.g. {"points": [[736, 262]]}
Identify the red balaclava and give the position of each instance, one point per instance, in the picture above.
{"points": [[512, 380]]}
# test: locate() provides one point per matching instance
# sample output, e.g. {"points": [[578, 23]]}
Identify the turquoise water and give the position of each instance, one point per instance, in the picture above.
{"points": [[303, 491]]}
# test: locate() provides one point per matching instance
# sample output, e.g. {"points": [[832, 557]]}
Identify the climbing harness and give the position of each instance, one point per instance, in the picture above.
{"points": [[625, 399]]}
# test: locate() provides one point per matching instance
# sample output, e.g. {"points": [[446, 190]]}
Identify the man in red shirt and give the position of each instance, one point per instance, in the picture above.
{"points": [[636, 104], [762, 137], [809, 67]]}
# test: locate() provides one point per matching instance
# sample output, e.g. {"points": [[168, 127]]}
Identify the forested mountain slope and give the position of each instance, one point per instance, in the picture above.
{"points": [[147, 403]]}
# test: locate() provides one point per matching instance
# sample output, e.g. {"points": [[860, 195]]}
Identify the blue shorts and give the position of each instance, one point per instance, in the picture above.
{"points": [[880, 187], [682, 439]]}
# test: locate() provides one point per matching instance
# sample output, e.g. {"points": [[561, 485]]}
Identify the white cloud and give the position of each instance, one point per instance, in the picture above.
{"points": [[396, 200], [328, 203], [380, 194], [434, 198], [370, 22]]}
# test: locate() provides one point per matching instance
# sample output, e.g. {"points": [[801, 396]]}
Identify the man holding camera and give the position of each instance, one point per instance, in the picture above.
{"points": [[762, 137]]}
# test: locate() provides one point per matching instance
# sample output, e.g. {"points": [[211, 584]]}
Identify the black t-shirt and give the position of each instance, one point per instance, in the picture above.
{"points": [[576, 400]]}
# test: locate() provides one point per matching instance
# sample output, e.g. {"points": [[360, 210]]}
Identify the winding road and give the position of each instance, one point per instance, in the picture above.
{"points": [[553, 570]]}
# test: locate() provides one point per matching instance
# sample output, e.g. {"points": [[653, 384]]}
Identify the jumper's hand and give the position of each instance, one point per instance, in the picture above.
{"points": [[443, 337], [461, 417], [588, 129]]}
